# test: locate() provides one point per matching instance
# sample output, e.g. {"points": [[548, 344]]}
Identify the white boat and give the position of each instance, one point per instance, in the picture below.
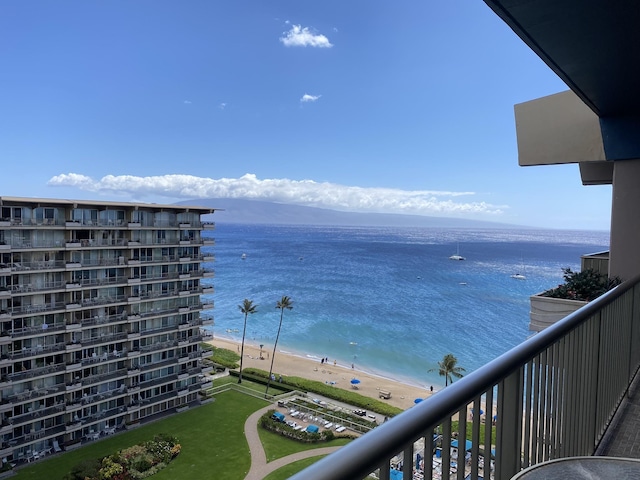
{"points": [[243, 256], [519, 276], [457, 255]]}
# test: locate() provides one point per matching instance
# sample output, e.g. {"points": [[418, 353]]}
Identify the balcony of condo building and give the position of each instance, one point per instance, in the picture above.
{"points": [[103, 306]]}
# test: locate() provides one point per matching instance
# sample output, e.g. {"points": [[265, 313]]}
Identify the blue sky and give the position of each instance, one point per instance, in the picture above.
{"points": [[357, 105]]}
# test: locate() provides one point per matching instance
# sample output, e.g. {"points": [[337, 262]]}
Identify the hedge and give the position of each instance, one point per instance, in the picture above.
{"points": [[329, 391]]}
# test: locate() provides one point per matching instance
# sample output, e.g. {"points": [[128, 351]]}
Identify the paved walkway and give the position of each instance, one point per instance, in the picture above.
{"points": [[259, 466]]}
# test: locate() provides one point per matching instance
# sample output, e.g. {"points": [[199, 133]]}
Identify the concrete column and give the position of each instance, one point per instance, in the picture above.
{"points": [[624, 259]]}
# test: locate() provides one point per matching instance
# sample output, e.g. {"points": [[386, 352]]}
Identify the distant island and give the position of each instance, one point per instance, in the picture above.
{"points": [[260, 212]]}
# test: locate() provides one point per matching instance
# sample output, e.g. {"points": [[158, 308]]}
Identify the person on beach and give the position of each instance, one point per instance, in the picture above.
{"points": [[322, 362]]}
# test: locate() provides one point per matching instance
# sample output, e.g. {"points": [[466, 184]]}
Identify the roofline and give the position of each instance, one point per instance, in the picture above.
{"points": [[104, 203]]}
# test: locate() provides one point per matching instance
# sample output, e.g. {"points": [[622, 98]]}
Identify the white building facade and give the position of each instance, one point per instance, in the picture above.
{"points": [[101, 318]]}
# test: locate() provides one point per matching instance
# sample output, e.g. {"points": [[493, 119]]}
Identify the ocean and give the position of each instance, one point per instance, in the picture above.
{"points": [[389, 300]]}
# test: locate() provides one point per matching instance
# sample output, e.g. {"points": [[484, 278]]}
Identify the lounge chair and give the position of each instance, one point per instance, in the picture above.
{"points": [[56, 447]]}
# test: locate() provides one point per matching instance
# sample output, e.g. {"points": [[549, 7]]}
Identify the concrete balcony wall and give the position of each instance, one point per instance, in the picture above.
{"points": [[558, 129]]}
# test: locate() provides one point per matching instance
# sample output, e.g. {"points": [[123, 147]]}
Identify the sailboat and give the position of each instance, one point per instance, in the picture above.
{"points": [[457, 255], [519, 276]]}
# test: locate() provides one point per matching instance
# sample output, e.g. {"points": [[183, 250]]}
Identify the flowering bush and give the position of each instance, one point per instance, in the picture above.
{"points": [[175, 450], [586, 285], [133, 463]]}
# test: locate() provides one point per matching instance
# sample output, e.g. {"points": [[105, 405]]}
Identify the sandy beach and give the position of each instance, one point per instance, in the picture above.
{"points": [[402, 395]]}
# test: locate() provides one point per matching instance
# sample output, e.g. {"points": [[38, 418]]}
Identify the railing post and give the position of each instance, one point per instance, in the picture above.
{"points": [[509, 426]]}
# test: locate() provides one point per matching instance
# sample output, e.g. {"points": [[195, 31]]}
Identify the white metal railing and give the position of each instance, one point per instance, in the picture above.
{"points": [[551, 397]]}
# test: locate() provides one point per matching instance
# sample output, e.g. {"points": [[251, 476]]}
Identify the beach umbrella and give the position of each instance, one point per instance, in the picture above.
{"points": [[355, 381], [417, 400], [395, 474], [467, 444]]}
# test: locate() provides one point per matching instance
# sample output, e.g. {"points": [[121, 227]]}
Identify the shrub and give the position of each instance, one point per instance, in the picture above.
{"points": [[110, 469], [586, 285], [89, 468], [223, 356], [141, 464], [329, 391], [133, 463]]}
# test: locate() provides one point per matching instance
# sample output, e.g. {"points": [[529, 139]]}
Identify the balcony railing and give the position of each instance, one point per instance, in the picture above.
{"points": [[37, 287], [553, 396]]}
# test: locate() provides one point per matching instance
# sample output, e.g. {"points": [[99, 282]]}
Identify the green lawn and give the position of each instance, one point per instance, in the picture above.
{"points": [[289, 470], [258, 387], [212, 439], [277, 446]]}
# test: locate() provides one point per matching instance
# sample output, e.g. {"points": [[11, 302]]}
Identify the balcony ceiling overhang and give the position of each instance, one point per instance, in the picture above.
{"points": [[592, 45]]}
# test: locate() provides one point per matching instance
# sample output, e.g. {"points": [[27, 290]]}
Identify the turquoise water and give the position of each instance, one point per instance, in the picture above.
{"points": [[389, 300]]}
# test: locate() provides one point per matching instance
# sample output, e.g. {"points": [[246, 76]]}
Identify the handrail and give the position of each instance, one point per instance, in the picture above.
{"points": [[538, 384]]}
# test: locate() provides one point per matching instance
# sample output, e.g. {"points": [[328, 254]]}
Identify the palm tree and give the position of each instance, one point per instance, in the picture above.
{"points": [[246, 308], [284, 302], [448, 368]]}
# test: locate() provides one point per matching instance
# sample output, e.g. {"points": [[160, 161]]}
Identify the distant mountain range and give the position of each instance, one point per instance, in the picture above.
{"points": [[254, 211]]}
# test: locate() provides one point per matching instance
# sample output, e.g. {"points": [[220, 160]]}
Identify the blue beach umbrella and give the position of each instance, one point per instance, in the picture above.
{"points": [[467, 444], [355, 381], [417, 400], [395, 474]]}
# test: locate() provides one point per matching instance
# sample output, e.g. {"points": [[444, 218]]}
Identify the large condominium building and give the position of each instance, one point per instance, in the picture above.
{"points": [[100, 318]]}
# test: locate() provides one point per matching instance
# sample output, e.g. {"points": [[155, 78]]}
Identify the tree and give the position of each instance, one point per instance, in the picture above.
{"points": [[247, 308], [448, 368], [284, 302]]}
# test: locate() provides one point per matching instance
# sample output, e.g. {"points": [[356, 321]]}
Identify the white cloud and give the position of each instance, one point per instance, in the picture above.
{"points": [[187, 102], [303, 37], [222, 106], [296, 192], [309, 98]]}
